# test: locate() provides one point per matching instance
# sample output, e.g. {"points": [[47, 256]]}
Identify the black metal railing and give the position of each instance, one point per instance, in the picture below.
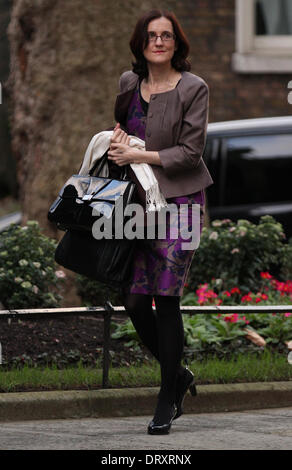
{"points": [[108, 311]]}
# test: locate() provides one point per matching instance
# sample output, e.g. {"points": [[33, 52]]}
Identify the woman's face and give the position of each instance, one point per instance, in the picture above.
{"points": [[159, 51]]}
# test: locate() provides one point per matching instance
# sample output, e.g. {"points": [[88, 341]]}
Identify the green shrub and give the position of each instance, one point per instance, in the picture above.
{"points": [[238, 252], [286, 261], [28, 276]]}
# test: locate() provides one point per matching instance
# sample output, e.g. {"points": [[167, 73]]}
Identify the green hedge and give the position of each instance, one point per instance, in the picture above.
{"points": [[238, 252]]}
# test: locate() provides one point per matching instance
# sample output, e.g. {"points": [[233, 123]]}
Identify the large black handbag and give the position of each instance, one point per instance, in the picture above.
{"points": [[106, 260]]}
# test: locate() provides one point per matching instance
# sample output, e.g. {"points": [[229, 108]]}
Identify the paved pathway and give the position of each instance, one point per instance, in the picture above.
{"points": [[268, 429]]}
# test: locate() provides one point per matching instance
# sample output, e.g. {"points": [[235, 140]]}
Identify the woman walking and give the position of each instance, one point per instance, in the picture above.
{"points": [[165, 105]]}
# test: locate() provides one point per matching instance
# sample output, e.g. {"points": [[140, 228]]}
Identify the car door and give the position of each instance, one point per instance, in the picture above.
{"points": [[211, 157], [254, 178]]}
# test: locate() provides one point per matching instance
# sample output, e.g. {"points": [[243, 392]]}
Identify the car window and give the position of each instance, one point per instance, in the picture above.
{"points": [[257, 169]]}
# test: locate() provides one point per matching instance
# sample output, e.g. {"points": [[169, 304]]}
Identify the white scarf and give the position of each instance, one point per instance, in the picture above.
{"points": [[98, 146]]}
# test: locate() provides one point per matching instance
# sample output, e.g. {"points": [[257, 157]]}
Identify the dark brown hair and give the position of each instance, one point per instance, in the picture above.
{"points": [[139, 42]]}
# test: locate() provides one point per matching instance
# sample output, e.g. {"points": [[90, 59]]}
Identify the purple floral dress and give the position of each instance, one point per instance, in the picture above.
{"points": [[160, 266]]}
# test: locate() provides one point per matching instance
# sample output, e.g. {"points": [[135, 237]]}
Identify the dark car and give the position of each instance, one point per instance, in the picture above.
{"points": [[250, 161]]}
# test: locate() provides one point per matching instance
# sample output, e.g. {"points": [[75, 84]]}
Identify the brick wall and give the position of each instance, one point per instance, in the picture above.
{"points": [[210, 27]]}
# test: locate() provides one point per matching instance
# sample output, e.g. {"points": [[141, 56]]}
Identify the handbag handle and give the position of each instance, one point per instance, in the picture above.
{"points": [[100, 164]]}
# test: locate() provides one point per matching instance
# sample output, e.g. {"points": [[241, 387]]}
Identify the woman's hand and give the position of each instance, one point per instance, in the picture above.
{"points": [[122, 154], [119, 136], [120, 151]]}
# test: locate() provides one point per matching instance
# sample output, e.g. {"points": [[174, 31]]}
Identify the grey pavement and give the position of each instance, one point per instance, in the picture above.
{"points": [[262, 429]]}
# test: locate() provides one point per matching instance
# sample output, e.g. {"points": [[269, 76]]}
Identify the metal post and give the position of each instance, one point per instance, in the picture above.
{"points": [[106, 342]]}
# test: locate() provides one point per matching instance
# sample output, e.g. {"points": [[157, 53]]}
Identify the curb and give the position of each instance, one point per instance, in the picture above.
{"points": [[106, 403]]}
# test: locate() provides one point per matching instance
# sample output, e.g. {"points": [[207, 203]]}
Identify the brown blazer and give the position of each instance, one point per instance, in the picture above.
{"points": [[176, 127]]}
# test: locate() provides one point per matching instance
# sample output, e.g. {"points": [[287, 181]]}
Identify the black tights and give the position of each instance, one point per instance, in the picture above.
{"points": [[162, 333]]}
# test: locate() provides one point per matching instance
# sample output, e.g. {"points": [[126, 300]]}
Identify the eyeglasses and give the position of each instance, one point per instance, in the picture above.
{"points": [[165, 36]]}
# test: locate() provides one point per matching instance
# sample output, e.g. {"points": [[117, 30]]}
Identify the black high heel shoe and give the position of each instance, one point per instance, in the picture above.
{"points": [[184, 383], [156, 427]]}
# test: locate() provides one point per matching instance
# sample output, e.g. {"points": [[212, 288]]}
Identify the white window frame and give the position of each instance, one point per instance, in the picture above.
{"points": [[254, 54]]}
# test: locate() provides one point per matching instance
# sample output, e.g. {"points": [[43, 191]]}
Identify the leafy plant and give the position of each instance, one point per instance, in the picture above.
{"points": [[238, 252], [286, 260], [126, 330], [28, 275], [277, 328]]}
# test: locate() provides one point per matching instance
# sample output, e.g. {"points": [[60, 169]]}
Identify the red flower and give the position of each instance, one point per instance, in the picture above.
{"points": [[283, 287], [246, 298], [233, 318], [235, 290], [266, 275]]}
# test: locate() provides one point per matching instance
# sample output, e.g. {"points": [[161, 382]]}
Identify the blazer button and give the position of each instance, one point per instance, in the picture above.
{"points": [[150, 115], [148, 134]]}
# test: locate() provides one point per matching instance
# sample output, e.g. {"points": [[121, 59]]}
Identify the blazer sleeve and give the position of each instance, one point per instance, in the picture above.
{"points": [[188, 152]]}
